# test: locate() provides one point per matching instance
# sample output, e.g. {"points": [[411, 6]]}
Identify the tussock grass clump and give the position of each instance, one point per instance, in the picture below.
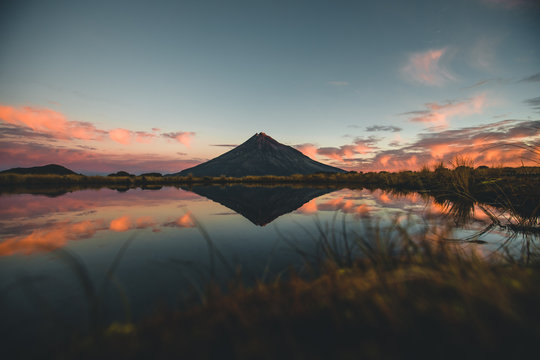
{"points": [[404, 297]]}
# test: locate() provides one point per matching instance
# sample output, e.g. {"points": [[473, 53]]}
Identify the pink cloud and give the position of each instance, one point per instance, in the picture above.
{"points": [[144, 137], [184, 221], [508, 142], [49, 122], [125, 223], [121, 136], [55, 125], [309, 150], [49, 237], [441, 113], [183, 137], [308, 208], [349, 151], [122, 223], [425, 68]]}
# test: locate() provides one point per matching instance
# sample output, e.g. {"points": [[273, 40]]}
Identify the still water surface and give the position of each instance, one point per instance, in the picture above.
{"points": [[140, 249]]}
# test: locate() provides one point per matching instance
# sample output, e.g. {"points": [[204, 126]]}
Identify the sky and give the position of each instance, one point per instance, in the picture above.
{"points": [[101, 86]]}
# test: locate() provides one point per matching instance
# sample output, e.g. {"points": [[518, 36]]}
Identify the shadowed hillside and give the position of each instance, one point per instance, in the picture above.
{"points": [[51, 169]]}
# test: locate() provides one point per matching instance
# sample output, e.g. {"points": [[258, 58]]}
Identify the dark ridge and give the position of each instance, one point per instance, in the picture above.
{"points": [[51, 169], [121, 173], [260, 155]]}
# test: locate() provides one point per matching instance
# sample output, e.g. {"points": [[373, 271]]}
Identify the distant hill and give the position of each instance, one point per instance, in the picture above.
{"points": [[260, 155], [120, 173], [51, 169]]}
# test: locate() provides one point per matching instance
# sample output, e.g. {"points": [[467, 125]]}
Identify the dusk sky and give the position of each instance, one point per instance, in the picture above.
{"points": [[102, 86]]}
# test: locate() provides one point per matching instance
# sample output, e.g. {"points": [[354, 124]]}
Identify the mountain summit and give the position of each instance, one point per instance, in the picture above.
{"points": [[259, 155]]}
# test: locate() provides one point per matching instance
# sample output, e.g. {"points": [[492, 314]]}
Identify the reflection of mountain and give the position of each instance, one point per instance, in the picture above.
{"points": [[260, 205]]}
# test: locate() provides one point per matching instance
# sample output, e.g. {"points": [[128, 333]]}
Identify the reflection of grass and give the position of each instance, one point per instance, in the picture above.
{"points": [[515, 190], [383, 294]]}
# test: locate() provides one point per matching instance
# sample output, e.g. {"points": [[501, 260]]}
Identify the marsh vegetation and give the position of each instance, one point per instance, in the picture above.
{"points": [[360, 286]]}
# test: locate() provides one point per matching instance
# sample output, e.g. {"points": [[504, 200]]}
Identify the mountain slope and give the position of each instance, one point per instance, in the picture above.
{"points": [[40, 170], [259, 155]]}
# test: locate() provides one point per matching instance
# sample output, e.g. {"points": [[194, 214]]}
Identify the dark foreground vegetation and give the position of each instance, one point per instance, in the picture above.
{"points": [[376, 296]]}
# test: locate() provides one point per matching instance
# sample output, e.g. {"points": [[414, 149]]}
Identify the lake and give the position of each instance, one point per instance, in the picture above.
{"points": [[133, 251]]}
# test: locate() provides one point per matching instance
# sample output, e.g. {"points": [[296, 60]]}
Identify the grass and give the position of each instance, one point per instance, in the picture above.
{"points": [[515, 189], [391, 295]]}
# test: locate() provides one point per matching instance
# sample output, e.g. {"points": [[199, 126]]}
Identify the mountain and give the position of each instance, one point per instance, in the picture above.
{"points": [[41, 170], [259, 155], [260, 205]]}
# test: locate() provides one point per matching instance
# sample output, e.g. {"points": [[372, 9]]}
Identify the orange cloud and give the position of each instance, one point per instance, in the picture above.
{"points": [[345, 151], [122, 223], [309, 208], [182, 137], [49, 238], [309, 150], [49, 122], [121, 136], [184, 221], [425, 68], [125, 223], [55, 124], [440, 113]]}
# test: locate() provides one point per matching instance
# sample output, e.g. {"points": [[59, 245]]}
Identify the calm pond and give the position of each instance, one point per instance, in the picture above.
{"points": [[137, 250]]}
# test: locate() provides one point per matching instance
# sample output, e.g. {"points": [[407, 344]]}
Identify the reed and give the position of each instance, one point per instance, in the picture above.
{"points": [[384, 293]]}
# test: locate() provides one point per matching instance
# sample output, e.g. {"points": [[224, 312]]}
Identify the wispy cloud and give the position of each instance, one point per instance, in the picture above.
{"points": [[224, 145], [426, 68], [440, 114], [534, 103], [483, 54], [341, 153], [532, 78], [391, 128], [183, 137]]}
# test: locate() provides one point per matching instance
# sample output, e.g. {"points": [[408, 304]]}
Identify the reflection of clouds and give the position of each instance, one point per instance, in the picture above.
{"points": [[50, 237], [125, 223], [308, 208], [184, 221], [121, 224], [31, 206], [340, 203]]}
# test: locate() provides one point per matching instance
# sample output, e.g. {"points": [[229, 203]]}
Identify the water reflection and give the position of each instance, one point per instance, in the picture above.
{"points": [[31, 223], [168, 254], [260, 205]]}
